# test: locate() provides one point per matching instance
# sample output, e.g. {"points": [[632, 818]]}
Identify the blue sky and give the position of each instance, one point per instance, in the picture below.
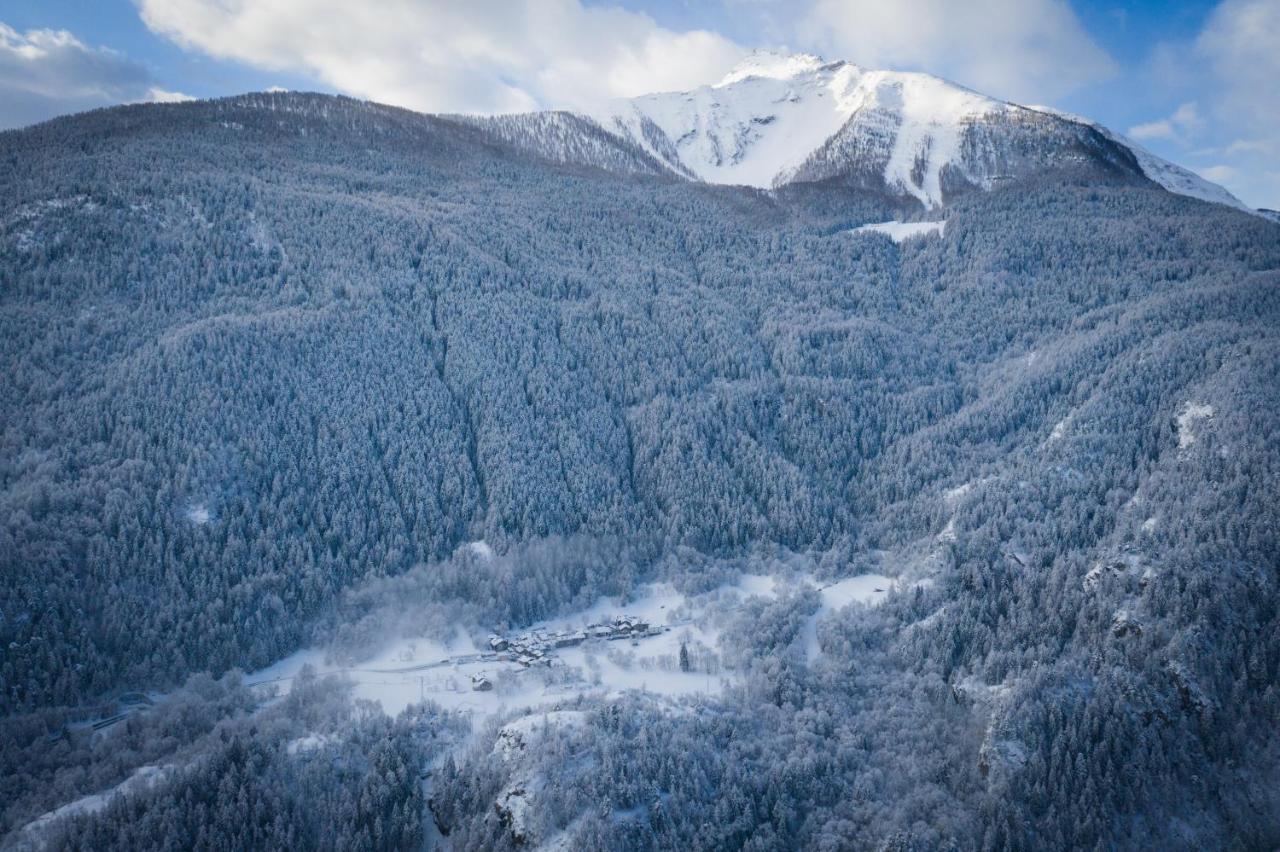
{"points": [[1194, 81]]}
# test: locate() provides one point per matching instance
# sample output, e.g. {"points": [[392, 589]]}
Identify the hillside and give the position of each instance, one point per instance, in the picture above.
{"points": [[271, 363]]}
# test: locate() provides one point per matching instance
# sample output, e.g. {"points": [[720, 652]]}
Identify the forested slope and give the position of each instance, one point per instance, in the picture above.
{"points": [[260, 350]]}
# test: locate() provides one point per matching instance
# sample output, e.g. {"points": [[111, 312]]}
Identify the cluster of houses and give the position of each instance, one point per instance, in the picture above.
{"points": [[535, 648]]}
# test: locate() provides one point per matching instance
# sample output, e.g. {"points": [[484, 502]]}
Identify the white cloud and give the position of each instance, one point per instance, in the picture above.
{"points": [[55, 64], [1153, 130], [1184, 121], [163, 96], [443, 56], [1241, 43], [1250, 146], [1219, 173], [44, 73], [1241, 46], [1025, 50], [1236, 58]]}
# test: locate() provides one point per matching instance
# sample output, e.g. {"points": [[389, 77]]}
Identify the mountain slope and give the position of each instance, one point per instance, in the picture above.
{"points": [[1169, 175], [272, 361], [777, 119], [565, 137]]}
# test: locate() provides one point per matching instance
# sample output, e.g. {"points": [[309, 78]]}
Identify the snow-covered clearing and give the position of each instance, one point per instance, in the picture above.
{"points": [[480, 548], [1191, 414], [198, 513], [869, 589], [900, 231], [410, 670], [311, 742], [953, 496]]}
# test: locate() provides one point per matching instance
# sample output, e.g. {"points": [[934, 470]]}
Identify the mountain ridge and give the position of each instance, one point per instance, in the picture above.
{"points": [[778, 118]]}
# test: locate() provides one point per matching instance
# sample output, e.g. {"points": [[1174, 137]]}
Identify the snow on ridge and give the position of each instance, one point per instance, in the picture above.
{"points": [[772, 63], [747, 132], [769, 115], [1171, 176], [934, 115], [773, 112]]}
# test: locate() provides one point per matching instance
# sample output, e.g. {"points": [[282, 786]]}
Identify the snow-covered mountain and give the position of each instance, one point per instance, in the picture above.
{"points": [[1169, 175], [783, 118]]}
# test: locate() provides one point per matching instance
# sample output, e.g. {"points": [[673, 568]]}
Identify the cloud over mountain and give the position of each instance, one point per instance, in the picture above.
{"points": [[1023, 50], [486, 56], [47, 72]]}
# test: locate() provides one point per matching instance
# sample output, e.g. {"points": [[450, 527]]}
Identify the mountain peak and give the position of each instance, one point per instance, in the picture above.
{"points": [[773, 64], [778, 118], [774, 112]]}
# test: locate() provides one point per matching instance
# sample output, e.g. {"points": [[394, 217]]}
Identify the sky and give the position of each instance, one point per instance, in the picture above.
{"points": [[1195, 81]]}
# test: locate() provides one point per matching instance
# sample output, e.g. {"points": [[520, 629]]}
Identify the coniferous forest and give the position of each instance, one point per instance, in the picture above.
{"points": [[270, 364]]}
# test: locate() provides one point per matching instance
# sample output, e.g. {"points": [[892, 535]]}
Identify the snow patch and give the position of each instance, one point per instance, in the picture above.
{"points": [[309, 743], [758, 584], [480, 548], [1191, 414], [198, 513], [952, 496], [515, 737], [865, 588], [900, 231]]}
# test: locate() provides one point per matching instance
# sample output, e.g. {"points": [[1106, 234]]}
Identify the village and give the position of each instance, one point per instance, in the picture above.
{"points": [[537, 647]]}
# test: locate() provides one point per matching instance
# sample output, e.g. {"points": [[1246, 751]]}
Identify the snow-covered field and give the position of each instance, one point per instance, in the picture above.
{"points": [[869, 589], [411, 670], [899, 231]]}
